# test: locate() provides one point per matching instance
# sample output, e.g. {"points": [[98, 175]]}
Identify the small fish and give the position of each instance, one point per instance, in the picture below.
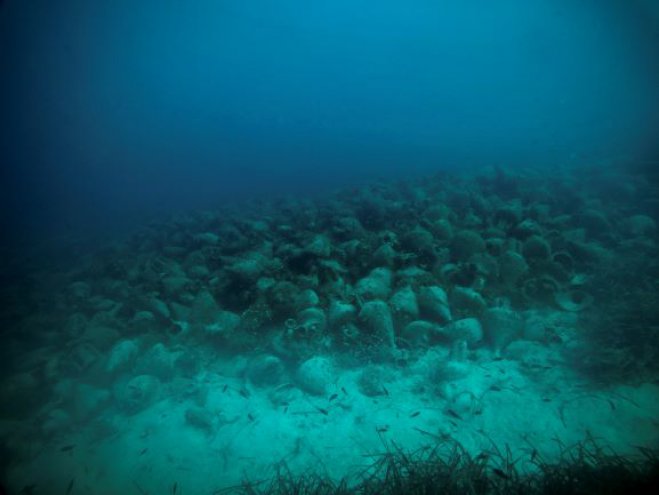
{"points": [[324, 412], [144, 450], [251, 417], [415, 414], [452, 413], [495, 388], [69, 489], [500, 473], [226, 386], [332, 397], [67, 448], [386, 392], [174, 488], [245, 393], [382, 429], [343, 389]]}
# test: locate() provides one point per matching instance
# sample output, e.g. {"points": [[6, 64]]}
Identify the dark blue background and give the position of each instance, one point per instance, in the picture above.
{"points": [[113, 111]]}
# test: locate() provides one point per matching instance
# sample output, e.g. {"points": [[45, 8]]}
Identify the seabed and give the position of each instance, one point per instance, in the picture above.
{"points": [[489, 332]]}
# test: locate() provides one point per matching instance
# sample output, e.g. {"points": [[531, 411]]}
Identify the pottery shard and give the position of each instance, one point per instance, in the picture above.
{"points": [[433, 303], [315, 375], [469, 330], [501, 326], [376, 317]]}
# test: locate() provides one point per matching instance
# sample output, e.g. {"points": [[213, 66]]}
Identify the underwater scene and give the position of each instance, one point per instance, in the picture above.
{"points": [[313, 247]]}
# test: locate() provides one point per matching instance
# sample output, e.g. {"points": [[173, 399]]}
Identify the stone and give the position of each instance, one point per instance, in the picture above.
{"points": [[501, 326], [465, 244], [265, 371], [433, 303], [315, 375], [122, 356], [468, 329], [137, 393], [376, 317], [467, 301], [377, 285], [404, 305], [371, 381], [341, 313], [512, 267]]}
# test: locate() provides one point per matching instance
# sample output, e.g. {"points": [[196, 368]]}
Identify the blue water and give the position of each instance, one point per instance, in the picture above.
{"points": [[241, 238], [116, 111]]}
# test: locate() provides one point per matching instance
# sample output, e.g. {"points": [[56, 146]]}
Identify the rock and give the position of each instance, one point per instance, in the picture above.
{"points": [[419, 333], [204, 313], [376, 317], [284, 394], [173, 286], [320, 246], [433, 303], [158, 308], [282, 298], [465, 403], [501, 326], [80, 359], [385, 255], [641, 225], [180, 313], [459, 351], [465, 244], [79, 291], [341, 313], [419, 241], [442, 230], [512, 267], [248, 270], [158, 361], [143, 322], [315, 375], [467, 301], [573, 299], [449, 370], [535, 327], [595, 222], [200, 418], [75, 325], [526, 228], [306, 299], [138, 393], [206, 238], [404, 306], [198, 272], [19, 394], [88, 400], [266, 370], [377, 285], [467, 329], [225, 323], [371, 381], [312, 321], [414, 276], [57, 422], [535, 248], [122, 356], [101, 337]]}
